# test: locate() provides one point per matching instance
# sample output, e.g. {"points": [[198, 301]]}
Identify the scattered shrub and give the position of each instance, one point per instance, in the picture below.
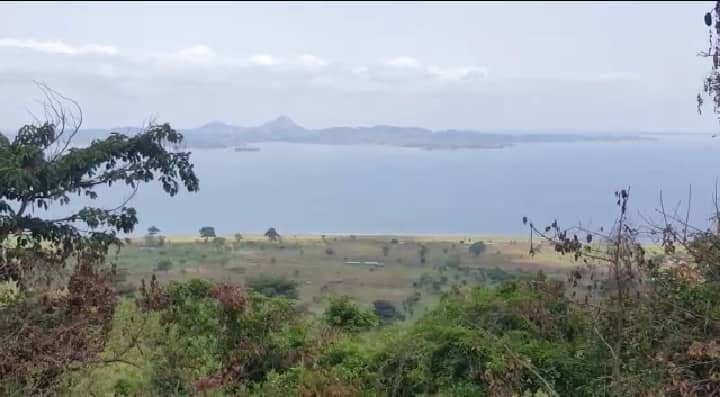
{"points": [[342, 313], [273, 286], [386, 311], [477, 248], [164, 265]]}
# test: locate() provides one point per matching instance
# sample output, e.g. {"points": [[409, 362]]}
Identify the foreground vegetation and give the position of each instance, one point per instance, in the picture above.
{"points": [[508, 333], [519, 337]]}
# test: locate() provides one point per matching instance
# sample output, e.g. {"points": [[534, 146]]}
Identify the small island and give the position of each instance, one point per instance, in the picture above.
{"points": [[247, 149]]}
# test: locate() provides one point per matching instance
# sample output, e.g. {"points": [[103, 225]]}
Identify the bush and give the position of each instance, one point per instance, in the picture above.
{"points": [[344, 314], [273, 286], [164, 266], [329, 251], [470, 334], [477, 248], [8, 291], [386, 311]]}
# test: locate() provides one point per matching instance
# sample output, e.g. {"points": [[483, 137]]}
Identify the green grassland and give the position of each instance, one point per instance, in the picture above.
{"points": [[319, 265]]}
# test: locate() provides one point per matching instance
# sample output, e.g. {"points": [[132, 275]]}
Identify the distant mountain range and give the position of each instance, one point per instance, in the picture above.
{"points": [[284, 129]]}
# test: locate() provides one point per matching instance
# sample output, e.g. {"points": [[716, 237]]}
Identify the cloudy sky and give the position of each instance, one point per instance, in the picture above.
{"points": [[489, 66]]}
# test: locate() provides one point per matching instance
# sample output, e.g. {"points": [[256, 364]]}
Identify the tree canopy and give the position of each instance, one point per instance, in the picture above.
{"points": [[40, 168], [207, 232], [272, 234]]}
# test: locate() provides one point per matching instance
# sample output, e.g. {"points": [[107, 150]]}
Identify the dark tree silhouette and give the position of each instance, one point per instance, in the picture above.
{"points": [[206, 232], [272, 235], [711, 83]]}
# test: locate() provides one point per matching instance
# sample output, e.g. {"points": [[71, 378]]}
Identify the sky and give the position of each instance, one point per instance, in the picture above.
{"points": [[486, 66]]}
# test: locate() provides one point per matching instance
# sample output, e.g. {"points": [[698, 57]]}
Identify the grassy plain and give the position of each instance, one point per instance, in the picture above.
{"points": [[320, 263]]}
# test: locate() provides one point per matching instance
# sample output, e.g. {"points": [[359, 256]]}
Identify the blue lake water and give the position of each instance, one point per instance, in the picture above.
{"points": [[380, 189]]}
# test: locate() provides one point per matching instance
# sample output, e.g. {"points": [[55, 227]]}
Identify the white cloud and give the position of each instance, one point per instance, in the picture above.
{"points": [[196, 51], [264, 60], [311, 61], [59, 47], [408, 69], [196, 55], [205, 56], [203, 65], [465, 73]]}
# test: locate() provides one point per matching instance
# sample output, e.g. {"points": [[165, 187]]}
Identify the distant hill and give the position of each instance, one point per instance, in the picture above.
{"points": [[284, 129]]}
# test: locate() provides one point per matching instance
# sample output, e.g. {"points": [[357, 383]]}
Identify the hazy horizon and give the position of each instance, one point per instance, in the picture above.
{"points": [[13, 130]]}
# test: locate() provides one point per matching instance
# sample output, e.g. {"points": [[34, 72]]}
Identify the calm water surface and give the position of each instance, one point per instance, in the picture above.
{"points": [[378, 189]]}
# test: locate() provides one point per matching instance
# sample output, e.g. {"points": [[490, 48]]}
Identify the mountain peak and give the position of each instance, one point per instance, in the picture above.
{"points": [[282, 122]]}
